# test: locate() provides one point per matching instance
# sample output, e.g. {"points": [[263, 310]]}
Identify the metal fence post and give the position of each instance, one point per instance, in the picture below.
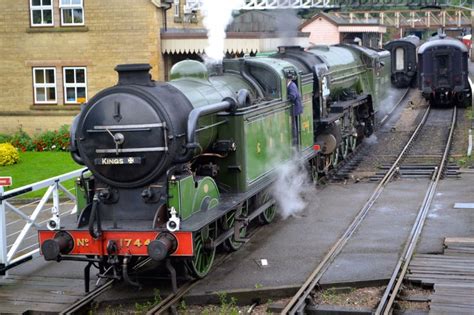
{"points": [[3, 235], [55, 208]]}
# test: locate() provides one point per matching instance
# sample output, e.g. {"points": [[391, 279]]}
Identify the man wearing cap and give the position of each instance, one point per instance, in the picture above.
{"points": [[294, 97]]}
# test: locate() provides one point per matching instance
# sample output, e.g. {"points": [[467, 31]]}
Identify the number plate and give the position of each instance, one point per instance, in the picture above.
{"points": [[118, 161]]}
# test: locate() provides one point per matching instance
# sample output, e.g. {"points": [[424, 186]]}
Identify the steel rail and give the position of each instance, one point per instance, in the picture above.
{"points": [[172, 299], [85, 300], [298, 300], [401, 268], [389, 114], [89, 297]]}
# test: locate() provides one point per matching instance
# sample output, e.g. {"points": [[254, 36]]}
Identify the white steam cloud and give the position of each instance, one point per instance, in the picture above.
{"points": [[291, 185], [371, 140], [217, 15]]}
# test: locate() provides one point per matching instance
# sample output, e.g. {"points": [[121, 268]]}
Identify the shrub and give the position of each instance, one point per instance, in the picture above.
{"points": [[8, 154], [5, 138], [22, 141], [57, 140]]}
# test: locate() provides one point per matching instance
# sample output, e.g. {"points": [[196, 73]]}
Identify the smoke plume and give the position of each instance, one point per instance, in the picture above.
{"points": [[289, 29], [291, 185], [217, 15], [371, 140]]}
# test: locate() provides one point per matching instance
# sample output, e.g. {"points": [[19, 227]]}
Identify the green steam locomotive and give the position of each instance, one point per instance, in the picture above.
{"points": [[182, 167]]}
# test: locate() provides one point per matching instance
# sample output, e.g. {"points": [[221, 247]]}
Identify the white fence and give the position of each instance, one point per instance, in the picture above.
{"points": [[18, 241]]}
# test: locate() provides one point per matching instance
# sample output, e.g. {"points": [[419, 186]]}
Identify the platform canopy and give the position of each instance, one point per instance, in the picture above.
{"points": [[250, 32]]}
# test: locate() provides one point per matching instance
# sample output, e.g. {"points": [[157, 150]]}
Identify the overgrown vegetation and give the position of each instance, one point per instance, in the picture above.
{"points": [[142, 308]]}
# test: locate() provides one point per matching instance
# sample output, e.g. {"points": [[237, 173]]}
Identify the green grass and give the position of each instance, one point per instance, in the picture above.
{"points": [[36, 166]]}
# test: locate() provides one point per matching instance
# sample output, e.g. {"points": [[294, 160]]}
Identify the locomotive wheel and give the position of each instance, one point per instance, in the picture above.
{"points": [[352, 142], [204, 251], [228, 223], [345, 147], [269, 214]]}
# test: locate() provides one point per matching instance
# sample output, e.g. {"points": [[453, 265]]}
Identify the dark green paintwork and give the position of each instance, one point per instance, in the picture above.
{"points": [[268, 142], [188, 195], [81, 197], [261, 133]]}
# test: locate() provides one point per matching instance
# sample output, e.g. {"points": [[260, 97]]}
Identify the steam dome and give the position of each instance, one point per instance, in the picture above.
{"points": [[189, 69]]}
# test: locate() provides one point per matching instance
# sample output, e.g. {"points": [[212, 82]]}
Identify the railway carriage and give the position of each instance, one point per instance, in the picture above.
{"points": [[404, 60], [443, 72], [179, 168]]}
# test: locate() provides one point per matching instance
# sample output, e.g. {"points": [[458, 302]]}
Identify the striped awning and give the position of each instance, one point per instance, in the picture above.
{"points": [[182, 44]]}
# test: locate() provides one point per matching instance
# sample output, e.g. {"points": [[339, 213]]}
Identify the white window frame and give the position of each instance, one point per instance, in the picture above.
{"points": [[41, 8], [400, 59], [177, 10], [74, 85], [71, 7], [45, 85]]}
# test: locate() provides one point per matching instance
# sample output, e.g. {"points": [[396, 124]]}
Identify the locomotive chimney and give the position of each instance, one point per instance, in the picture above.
{"points": [[216, 68], [138, 74]]}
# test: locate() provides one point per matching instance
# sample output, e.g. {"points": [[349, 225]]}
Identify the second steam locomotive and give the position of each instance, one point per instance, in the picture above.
{"points": [[179, 168]]}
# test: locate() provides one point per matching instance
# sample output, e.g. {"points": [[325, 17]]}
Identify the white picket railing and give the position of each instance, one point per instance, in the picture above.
{"points": [[18, 242]]}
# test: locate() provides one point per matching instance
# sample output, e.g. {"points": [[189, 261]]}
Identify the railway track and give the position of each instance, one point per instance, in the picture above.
{"points": [[401, 268], [427, 151], [81, 305], [85, 301], [172, 299], [298, 301]]}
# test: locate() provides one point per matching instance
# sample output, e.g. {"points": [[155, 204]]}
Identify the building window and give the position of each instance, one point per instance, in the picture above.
{"points": [[41, 12], [176, 8], [72, 12], [75, 85], [44, 84]]}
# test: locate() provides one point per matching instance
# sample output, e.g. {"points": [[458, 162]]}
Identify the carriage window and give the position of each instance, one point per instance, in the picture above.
{"points": [[399, 59]]}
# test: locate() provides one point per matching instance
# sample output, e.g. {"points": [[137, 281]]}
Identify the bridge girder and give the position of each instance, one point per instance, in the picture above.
{"points": [[342, 4], [412, 18]]}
